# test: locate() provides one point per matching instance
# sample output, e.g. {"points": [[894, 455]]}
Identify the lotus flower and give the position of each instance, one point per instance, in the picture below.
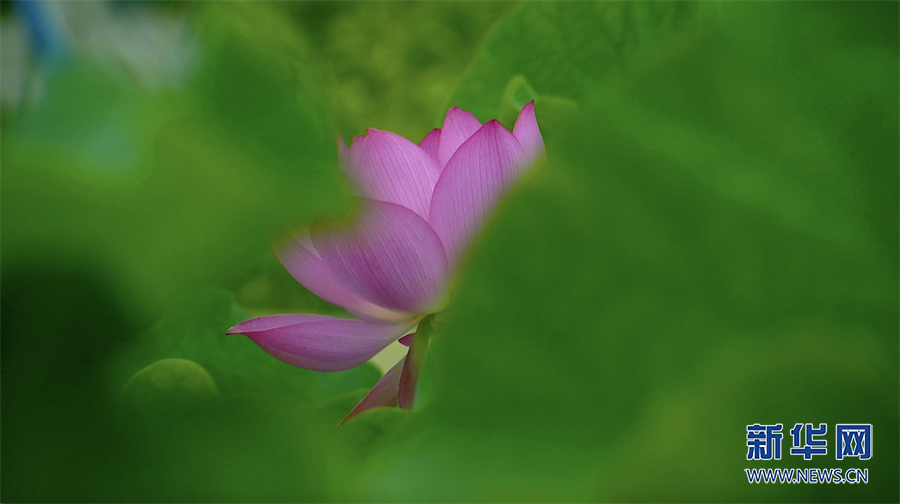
{"points": [[420, 208]]}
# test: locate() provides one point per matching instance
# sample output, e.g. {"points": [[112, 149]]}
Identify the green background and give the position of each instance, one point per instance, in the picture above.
{"points": [[711, 242]]}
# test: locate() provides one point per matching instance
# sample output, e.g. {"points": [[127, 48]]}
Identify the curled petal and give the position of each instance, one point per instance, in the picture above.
{"points": [[318, 342], [384, 393], [390, 256], [528, 133], [431, 144], [459, 125], [409, 377], [387, 167], [300, 258], [471, 184]]}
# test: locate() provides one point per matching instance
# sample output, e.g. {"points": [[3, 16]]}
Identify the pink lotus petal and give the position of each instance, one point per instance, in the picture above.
{"points": [[300, 258], [384, 393], [387, 167], [407, 340], [415, 357], [528, 133], [390, 257], [472, 182], [431, 144], [409, 377], [318, 342], [459, 125]]}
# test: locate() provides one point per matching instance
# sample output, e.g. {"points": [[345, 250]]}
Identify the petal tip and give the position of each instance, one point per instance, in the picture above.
{"points": [[494, 125]]}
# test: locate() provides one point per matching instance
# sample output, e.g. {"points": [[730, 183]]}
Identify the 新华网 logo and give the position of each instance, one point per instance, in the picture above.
{"points": [[808, 440]]}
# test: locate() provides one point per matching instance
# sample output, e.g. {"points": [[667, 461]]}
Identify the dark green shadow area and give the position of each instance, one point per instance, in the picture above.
{"points": [[74, 434]]}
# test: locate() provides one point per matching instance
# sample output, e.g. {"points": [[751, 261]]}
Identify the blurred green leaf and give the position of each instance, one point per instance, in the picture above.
{"points": [[102, 142], [563, 50], [704, 249], [258, 83], [170, 383]]}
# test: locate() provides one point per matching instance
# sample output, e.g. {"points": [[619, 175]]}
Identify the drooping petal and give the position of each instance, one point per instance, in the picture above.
{"points": [[390, 256], [409, 377], [415, 358], [471, 184], [459, 125], [318, 342], [300, 258], [384, 393], [528, 133], [387, 167], [432, 144]]}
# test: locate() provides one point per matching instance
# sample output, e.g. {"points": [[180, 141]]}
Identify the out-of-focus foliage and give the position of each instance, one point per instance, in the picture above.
{"points": [[706, 247], [711, 242], [178, 188], [568, 52], [393, 64]]}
